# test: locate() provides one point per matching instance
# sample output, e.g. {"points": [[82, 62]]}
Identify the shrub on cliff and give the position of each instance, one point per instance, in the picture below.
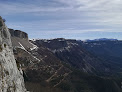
{"points": [[4, 20]]}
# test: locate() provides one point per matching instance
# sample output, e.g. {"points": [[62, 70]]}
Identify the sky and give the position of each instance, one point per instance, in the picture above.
{"points": [[72, 19]]}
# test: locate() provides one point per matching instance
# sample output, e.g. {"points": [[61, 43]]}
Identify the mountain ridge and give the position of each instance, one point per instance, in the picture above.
{"points": [[50, 66]]}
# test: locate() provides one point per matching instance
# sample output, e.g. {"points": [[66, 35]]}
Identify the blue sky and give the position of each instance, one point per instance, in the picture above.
{"points": [[75, 19]]}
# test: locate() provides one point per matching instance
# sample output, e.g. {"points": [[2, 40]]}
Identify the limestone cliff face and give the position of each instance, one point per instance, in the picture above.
{"points": [[18, 33], [11, 79], [20, 39]]}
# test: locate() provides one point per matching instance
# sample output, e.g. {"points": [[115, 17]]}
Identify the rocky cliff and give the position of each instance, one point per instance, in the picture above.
{"points": [[18, 33], [19, 39], [11, 77]]}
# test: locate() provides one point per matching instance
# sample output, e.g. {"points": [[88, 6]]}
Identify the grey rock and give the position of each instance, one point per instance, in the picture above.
{"points": [[11, 78], [18, 33]]}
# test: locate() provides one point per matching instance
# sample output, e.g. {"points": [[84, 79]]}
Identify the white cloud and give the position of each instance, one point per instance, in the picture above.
{"points": [[71, 14]]}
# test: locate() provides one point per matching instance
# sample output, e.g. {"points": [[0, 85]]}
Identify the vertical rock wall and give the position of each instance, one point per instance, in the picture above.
{"points": [[11, 79]]}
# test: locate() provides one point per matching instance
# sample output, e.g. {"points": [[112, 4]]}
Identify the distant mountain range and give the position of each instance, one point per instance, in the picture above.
{"points": [[101, 39], [110, 51]]}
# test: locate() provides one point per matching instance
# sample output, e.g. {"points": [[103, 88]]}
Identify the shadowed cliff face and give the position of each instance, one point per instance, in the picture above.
{"points": [[11, 79], [18, 33], [19, 39]]}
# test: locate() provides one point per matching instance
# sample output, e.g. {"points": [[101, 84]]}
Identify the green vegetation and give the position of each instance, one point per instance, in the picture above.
{"points": [[4, 33], [18, 64], [4, 20], [86, 83], [65, 86], [1, 24], [14, 86]]}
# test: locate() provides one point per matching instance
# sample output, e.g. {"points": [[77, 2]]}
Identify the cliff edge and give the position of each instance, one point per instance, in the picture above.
{"points": [[11, 77], [18, 33]]}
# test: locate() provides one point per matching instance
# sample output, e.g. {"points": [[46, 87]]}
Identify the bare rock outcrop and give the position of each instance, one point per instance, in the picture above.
{"points": [[11, 77], [18, 33]]}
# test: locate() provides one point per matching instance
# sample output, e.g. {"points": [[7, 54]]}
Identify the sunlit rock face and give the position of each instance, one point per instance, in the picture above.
{"points": [[11, 77]]}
